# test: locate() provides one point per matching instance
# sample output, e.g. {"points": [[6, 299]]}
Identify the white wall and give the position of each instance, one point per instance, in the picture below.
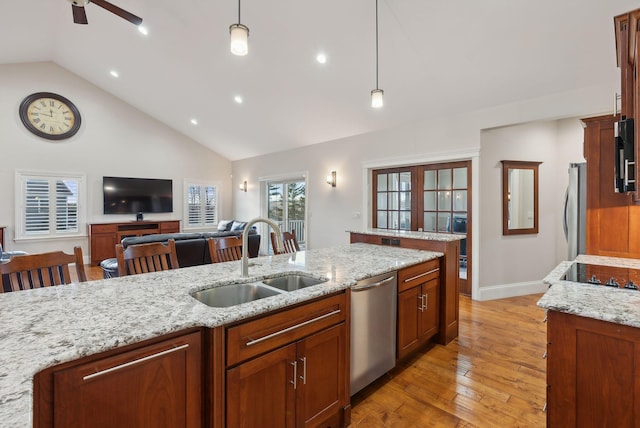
{"points": [[515, 264], [115, 139], [334, 210]]}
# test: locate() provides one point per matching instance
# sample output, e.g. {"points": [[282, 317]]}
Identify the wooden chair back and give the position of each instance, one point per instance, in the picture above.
{"points": [[225, 249], [289, 240], [42, 270], [145, 258]]}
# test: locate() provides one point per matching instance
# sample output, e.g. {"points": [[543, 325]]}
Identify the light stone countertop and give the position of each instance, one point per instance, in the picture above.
{"points": [[48, 326], [411, 234], [615, 305]]}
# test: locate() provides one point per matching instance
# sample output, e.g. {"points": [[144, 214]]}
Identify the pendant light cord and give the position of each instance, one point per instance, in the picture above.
{"points": [[376, 44], [239, 11]]}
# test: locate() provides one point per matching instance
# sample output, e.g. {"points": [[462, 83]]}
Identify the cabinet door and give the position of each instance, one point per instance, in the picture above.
{"points": [[321, 388], [261, 391], [409, 302], [158, 385], [103, 246], [429, 313]]}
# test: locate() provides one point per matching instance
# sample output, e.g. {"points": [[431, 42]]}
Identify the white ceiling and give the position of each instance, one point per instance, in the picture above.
{"points": [[435, 57]]}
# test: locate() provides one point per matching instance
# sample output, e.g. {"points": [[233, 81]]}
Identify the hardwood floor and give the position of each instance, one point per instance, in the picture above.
{"points": [[492, 375]]}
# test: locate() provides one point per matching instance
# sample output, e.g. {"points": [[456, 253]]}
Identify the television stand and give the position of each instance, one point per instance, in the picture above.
{"points": [[103, 237]]}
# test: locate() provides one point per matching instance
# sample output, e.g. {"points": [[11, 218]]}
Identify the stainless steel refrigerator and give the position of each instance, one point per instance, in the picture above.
{"points": [[575, 210]]}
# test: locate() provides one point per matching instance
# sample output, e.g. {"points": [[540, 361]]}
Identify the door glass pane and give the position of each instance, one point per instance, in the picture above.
{"points": [[429, 222], [405, 181], [430, 201], [382, 182], [444, 201], [382, 201], [405, 220], [393, 181], [444, 179], [393, 201], [460, 178], [459, 223], [459, 200], [429, 180], [275, 204], [405, 201], [443, 222], [382, 219]]}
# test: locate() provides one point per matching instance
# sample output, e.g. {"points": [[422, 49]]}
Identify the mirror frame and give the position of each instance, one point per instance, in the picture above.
{"points": [[506, 166]]}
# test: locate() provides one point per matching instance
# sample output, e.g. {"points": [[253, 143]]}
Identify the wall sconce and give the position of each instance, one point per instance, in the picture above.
{"points": [[331, 179], [243, 186]]}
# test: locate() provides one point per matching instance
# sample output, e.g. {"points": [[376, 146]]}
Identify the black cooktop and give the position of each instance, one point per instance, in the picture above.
{"points": [[609, 276]]}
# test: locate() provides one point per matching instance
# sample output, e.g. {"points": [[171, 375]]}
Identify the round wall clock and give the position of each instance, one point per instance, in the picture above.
{"points": [[49, 116]]}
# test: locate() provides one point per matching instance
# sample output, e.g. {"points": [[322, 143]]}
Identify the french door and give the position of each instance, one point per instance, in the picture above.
{"points": [[430, 198], [286, 205]]}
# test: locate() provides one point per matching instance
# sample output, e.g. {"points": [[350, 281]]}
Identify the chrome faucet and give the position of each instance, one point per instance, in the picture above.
{"points": [[245, 241]]}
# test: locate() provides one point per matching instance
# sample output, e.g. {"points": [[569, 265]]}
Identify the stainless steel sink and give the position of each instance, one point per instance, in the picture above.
{"points": [[292, 282], [234, 294]]}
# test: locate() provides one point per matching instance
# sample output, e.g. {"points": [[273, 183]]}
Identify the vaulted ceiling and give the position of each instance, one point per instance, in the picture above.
{"points": [[435, 58]]}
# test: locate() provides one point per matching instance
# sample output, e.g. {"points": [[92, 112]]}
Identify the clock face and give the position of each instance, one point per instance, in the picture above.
{"points": [[50, 116]]}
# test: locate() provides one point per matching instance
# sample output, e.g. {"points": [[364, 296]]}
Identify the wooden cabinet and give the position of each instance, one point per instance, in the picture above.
{"points": [[449, 285], [593, 369], [157, 384], [290, 368], [613, 220], [103, 237], [2, 236], [418, 306]]}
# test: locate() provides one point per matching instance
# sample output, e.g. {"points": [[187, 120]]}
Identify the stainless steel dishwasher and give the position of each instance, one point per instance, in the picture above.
{"points": [[373, 329]]}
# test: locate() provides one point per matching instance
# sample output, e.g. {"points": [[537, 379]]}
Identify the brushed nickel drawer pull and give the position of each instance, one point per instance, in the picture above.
{"points": [[139, 360], [421, 275], [293, 327]]}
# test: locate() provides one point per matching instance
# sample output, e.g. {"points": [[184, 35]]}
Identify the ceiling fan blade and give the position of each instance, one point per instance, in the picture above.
{"points": [[79, 15], [118, 11]]}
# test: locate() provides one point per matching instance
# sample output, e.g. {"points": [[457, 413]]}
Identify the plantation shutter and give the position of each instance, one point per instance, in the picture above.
{"points": [[201, 205]]}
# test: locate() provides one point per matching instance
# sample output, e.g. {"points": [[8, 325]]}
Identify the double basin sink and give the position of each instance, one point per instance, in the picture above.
{"points": [[236, 294]]}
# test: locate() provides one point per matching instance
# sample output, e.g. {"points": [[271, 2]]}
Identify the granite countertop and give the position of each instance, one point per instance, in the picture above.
{"points": [[615, 305], [412, 234], [48, 326]]}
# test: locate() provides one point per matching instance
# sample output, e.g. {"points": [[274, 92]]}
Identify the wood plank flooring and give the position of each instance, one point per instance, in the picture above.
{"points": [[492, 375]]}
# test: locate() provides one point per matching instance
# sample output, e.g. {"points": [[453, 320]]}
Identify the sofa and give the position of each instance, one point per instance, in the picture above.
{"points": [[191, 248]]}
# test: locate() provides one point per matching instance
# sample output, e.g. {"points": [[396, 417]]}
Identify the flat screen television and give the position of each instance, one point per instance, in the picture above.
{"points": [[124, 195]]}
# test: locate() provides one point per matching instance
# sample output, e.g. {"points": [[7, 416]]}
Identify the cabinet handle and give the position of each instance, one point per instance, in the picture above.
{"points": [[293, 327], [426, 301], [294, 382], [421, 275], [544, 356], [138, 361], [304, 370], [421, 305]]}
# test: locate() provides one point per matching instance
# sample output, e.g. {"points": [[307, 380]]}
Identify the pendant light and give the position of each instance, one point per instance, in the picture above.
{"points": [[239, 37], [377, 93]]}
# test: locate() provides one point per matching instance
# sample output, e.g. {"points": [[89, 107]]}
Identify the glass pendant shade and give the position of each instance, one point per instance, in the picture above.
{"points": [[239, 39], [376, 98]]}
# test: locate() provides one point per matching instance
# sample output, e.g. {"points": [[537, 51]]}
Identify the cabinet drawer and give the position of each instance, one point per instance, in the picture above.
{"points": [[263, 334], [170, 227], [104, 228], [419, 274]]}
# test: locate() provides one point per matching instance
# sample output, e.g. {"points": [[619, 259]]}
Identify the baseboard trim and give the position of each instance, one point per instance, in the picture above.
{"points": [[493, 292]]}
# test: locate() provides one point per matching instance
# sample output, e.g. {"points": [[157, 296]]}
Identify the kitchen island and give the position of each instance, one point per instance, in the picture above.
{"points": [[593, 346], [49, 326]]}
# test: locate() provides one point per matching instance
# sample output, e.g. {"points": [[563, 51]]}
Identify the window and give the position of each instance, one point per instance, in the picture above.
{"points": [[201, 205], [287, 206], [49, 205]]}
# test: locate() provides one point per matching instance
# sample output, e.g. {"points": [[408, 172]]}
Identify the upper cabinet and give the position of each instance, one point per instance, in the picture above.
{"points": [[627, 49]]}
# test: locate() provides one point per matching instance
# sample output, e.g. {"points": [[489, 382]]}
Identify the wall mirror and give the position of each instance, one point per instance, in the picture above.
{"points": [[519, 197]]}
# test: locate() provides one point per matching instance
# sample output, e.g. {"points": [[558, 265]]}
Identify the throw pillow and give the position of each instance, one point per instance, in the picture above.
{"points": [[238, 225], [224, 225]]}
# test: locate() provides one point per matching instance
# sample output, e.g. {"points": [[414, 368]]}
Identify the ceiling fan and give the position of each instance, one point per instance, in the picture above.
{"points": [[80, 16]]}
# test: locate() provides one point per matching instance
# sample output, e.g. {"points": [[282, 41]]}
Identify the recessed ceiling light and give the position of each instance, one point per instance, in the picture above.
{"points": [[194, 121], [321, 58], [238, 99], [144, 30], [114, 73]]}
